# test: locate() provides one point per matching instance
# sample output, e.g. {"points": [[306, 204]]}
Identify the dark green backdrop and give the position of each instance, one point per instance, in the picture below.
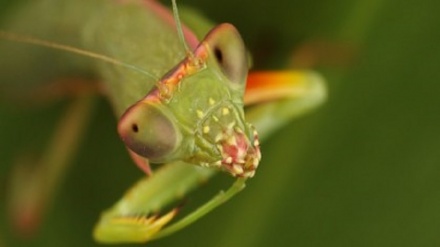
{"points": [[363, 170]]}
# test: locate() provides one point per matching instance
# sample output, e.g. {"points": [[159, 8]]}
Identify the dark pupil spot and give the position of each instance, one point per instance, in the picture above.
{"points": [[218, 54], [135, 128]]}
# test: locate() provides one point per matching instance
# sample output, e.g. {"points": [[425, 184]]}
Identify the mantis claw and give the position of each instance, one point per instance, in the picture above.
{"points": [[115, 226], [134, 229]]}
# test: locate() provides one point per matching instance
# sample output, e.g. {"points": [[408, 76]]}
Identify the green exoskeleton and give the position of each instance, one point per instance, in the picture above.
{"points": [[187, 104]]}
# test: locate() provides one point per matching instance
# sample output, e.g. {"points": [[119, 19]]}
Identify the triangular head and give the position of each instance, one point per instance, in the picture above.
{"points": [[195, 112]]}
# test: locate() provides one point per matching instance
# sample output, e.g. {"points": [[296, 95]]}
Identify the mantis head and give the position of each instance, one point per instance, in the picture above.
{"points": [[195, 112]]}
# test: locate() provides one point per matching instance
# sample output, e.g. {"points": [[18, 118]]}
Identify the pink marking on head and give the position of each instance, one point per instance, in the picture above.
{"points": [[167, 85]]}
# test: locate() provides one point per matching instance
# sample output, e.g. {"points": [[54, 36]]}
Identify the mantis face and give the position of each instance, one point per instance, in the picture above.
{"points": [[195, 112]]}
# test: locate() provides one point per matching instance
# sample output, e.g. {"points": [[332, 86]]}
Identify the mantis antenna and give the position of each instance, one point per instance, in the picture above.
{"points": [[39, 42], [180, 30]]}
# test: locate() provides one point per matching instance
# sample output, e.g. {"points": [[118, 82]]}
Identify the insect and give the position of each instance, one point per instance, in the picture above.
{"points": [[189, 105]]}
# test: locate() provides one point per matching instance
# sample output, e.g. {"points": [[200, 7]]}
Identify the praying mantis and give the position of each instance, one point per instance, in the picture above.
{"points": [[182, 95]]}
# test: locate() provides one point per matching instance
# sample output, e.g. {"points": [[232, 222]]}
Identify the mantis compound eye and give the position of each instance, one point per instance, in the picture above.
{"points": [[149, 131], [229, 52]]}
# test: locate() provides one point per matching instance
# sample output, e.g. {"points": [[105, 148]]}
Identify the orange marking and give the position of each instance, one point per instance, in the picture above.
{"points": [[271, 85]]}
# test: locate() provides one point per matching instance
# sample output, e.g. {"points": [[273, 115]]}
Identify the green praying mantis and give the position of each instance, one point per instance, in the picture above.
{"points": [[189, 105]]}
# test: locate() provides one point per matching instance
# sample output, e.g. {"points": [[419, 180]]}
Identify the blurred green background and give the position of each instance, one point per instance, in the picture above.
{"points": [[363, 170]]}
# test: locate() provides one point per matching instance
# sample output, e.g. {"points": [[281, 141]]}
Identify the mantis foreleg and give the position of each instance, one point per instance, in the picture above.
{"points": [[134, 218]]}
